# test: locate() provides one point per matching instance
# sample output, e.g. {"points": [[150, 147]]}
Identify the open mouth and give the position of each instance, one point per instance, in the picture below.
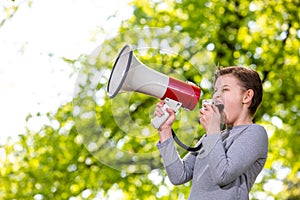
{"points": [[220, 107]]}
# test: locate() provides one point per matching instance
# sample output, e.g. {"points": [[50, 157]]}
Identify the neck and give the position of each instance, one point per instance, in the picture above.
{"points": [[241, 121]]}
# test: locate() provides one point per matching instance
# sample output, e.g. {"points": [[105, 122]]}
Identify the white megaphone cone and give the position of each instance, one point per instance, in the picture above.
{"points": [[129, 74]]}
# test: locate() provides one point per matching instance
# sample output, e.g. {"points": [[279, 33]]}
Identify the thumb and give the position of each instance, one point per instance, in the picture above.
{"points": [[170, 111], [171, 117]]}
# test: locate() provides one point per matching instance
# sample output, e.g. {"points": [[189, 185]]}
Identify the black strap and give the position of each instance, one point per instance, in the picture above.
{"points": [[188, 148]]}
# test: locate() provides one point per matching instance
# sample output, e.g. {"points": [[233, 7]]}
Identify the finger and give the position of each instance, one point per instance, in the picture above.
{"points": [[160, 104], [206, 110], [208, 106], [201, 111], [158, 112], [215, 108], [170, 111], [203, 120]]}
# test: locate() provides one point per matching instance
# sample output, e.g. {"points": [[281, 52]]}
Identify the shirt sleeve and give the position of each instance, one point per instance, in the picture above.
{"points": [[246, 149], [179, 170]]}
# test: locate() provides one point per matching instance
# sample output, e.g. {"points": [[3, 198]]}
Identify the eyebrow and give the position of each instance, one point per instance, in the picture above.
{"points": [[225, 85], [222, 86]]}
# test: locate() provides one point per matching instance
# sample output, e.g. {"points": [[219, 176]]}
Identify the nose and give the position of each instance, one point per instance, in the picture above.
{"points": [[216, 95]]}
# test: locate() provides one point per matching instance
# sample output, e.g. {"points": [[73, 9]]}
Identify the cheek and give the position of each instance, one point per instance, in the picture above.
{"points": [[232, 99], [232, 104], [228, 100]]}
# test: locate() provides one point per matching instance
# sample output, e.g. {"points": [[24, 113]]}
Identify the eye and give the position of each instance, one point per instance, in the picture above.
{"points": [[225, 89]]}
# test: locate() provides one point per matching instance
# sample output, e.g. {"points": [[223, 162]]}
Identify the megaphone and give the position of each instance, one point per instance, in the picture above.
{"points": [[130, 74]]}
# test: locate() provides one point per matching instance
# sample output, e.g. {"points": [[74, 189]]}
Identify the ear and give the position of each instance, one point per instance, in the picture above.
{"points": [[247, 99]]}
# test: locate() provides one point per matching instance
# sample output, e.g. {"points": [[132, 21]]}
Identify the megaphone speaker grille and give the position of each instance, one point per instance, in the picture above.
{"points": [[119, 71]]}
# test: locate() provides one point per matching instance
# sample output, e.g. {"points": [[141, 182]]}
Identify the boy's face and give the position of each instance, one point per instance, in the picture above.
{"points": [[230, 93]]}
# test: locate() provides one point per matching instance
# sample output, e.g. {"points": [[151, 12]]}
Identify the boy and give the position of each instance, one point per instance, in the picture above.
{"points": [[229, 161]]}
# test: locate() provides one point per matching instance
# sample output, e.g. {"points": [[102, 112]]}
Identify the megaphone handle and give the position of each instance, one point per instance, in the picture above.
{"points": [[169, 103]]}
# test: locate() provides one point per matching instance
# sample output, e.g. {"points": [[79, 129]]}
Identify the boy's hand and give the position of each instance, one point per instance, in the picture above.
{"points": [[165, 129], [210, 118]]}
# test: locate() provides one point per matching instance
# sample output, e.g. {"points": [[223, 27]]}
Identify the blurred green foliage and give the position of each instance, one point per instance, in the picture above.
{"points": [[92, 150]]}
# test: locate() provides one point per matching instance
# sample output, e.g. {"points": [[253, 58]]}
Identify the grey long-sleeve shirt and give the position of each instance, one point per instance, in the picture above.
{"points": [[224, 168]]}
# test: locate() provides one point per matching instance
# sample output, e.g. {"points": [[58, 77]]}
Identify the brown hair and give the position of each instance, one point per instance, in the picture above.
{"points": [[249, 79]]}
